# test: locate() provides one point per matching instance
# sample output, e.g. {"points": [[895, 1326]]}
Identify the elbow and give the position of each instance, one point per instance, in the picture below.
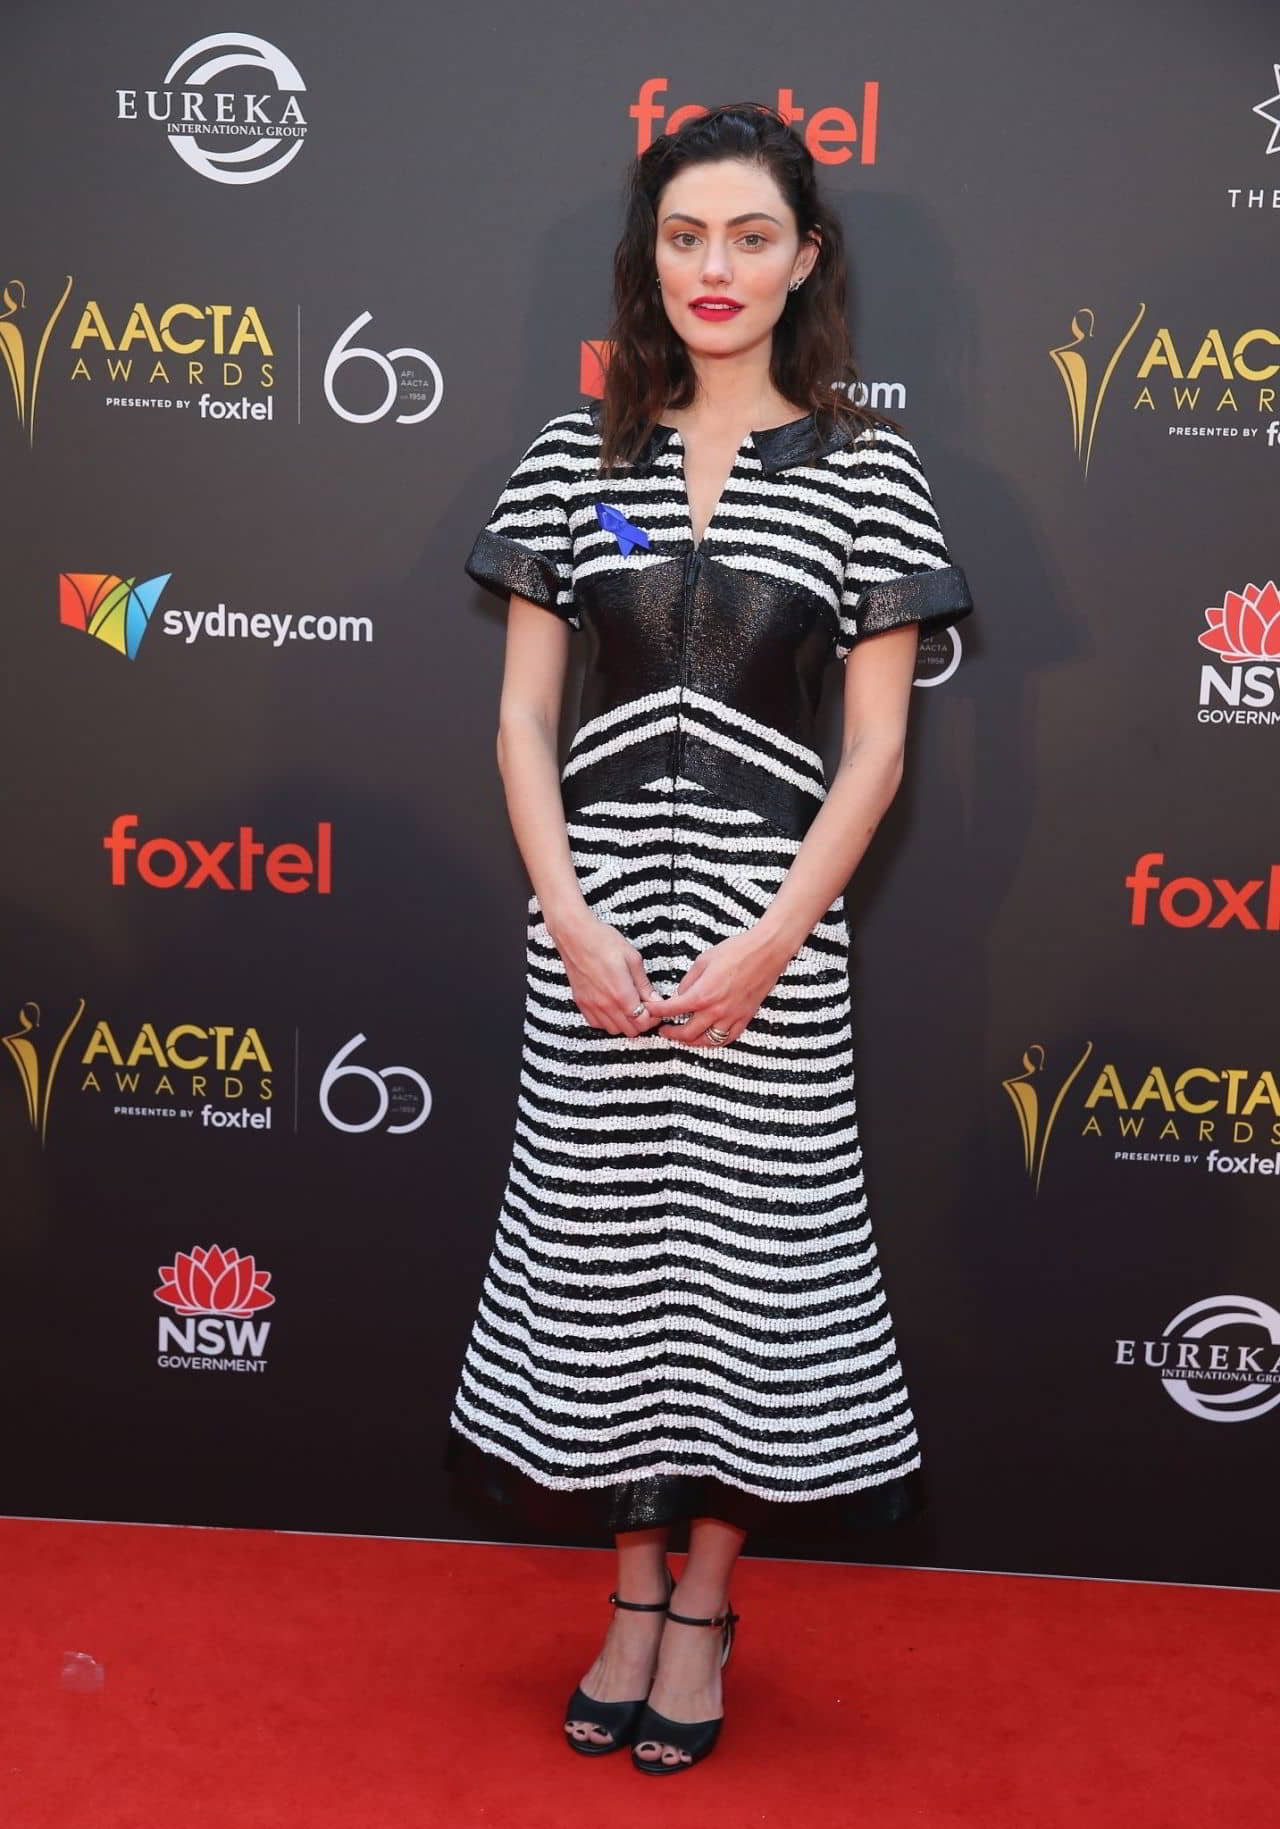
{"points": [[890, 781], [885, 760], [518, 732]]}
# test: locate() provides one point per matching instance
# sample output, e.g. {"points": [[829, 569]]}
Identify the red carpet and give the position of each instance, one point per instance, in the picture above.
{"points": [[255, 1680]]}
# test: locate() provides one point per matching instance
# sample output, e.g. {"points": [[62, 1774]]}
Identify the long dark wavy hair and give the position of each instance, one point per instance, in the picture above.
{"points": [[811, 363]]}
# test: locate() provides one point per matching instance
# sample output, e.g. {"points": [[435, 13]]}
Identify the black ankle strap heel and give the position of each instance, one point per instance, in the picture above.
{"points": [[617, 1719], [695, 1738]]}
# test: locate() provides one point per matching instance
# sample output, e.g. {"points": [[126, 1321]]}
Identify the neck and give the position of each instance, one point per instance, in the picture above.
{"points": [[735, 391]]}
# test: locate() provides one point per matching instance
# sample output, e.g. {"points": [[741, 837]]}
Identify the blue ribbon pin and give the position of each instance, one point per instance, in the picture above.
{"points": [[615, 522]]}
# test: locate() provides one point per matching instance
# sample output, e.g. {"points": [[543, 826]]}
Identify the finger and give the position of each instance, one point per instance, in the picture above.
{"points": [[728, 1031], [687, 986], [644, 993], [677, 1003], [627, 1002]]}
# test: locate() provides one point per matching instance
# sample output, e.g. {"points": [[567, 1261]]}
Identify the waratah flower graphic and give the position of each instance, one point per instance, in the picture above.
{"points": [[211, 1281], [1246, 626]]}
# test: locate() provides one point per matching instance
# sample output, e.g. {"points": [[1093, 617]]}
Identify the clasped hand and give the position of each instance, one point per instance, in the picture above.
{"points": [[722, 989]]}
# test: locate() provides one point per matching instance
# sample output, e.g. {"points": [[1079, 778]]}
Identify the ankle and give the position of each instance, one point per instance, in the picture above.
{"points": [[700, 1600]]}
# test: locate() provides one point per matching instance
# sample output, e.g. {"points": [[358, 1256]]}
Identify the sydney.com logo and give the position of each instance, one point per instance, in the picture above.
{"points": [[118, 612]]}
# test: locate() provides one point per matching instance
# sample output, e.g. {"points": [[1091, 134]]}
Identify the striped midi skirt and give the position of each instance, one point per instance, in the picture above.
{"points": [[683, 1313]]}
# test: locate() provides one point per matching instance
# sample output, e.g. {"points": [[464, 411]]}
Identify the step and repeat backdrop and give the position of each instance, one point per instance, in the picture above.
{"points": [[281, 307]]}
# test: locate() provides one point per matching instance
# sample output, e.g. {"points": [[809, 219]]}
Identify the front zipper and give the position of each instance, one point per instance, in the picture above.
{"points": [[689, 584], [692, 566]]}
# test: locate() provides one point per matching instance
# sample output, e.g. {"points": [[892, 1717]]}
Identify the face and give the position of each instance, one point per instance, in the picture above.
{"points": [[727, 249]]}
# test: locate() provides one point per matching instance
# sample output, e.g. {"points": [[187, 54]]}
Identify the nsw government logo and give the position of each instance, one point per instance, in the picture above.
{"points": [[217, 1293], [1241, 684], [1230, 1378]]}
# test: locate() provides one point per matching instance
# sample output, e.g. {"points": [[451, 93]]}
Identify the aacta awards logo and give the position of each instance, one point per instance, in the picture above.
{"points": [[1243, 633], [1231, 1380], [190, 863], [1151, 1114], [146, 1072], [1229, 374], [217, 1293], [141, 355]]}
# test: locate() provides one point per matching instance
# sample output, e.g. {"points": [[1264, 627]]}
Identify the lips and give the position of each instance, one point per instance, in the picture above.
{"points": [[715, 310]]}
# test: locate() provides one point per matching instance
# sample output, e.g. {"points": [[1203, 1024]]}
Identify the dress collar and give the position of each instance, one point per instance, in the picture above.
{"points": [[777, 447]]}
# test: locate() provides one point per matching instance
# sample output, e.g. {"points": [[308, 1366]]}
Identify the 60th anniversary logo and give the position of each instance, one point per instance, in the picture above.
{"points": [[216, 1076]]}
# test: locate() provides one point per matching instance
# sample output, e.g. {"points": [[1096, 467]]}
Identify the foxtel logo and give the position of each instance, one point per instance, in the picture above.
{"points": [[829, 133], [1188, 901], [166, 863]]}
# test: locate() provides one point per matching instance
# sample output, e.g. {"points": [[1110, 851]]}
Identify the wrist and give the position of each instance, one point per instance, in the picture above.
{"points": [[567, 915], [780, 936]]}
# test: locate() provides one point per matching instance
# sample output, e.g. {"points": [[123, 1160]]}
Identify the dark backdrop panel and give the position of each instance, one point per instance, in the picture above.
{"points": [[368, 333]]}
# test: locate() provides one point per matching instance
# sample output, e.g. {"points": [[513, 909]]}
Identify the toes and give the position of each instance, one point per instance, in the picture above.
{"points": [[663, 1753], [589, 1731]]}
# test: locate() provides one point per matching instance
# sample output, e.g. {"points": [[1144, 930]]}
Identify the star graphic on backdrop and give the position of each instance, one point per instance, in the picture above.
{"points": [[1270, 111]]}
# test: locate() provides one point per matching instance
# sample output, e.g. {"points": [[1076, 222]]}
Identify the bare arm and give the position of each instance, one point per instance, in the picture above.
{"points": [[877, 698], [534, 669], [606, 973]]}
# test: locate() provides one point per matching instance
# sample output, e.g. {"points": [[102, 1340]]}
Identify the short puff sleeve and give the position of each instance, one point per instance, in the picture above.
{"points": [[525, 544], [899, 569]]}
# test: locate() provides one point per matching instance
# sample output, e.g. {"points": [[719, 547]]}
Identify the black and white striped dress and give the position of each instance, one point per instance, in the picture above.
{"points": [[683, 1312]]}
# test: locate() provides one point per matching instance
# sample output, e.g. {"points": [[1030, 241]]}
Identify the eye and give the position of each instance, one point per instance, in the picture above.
{"points": [[755, 236], [683, 237]]}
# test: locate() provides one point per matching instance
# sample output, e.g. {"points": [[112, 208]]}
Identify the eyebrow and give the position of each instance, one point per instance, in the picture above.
{"points": [[750, 216]]}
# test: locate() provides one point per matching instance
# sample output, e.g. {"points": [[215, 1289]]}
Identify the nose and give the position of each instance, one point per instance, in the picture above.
{"points": [[717, 269]]}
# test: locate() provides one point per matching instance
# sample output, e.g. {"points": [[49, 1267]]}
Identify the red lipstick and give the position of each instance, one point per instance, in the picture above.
{"points": [[715, 309]]}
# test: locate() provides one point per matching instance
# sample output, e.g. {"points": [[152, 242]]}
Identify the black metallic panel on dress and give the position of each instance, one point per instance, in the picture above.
{"points": [[800, 442], [760, 645], [613, 776], [504, 565], [940, 596], [753, 644], [491, 1490], [787, 806], [632, 619]]}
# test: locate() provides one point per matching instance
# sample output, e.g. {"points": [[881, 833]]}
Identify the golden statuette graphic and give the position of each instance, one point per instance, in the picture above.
{"points": [[37, 1075], [1035, 1126], [1072, 361], [13, 351]]}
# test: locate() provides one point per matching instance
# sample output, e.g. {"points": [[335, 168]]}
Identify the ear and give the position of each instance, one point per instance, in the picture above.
{"points": [[809, 250]]}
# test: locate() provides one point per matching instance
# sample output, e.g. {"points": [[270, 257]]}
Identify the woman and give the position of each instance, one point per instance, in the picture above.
{"points": [[682, 1320]]}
